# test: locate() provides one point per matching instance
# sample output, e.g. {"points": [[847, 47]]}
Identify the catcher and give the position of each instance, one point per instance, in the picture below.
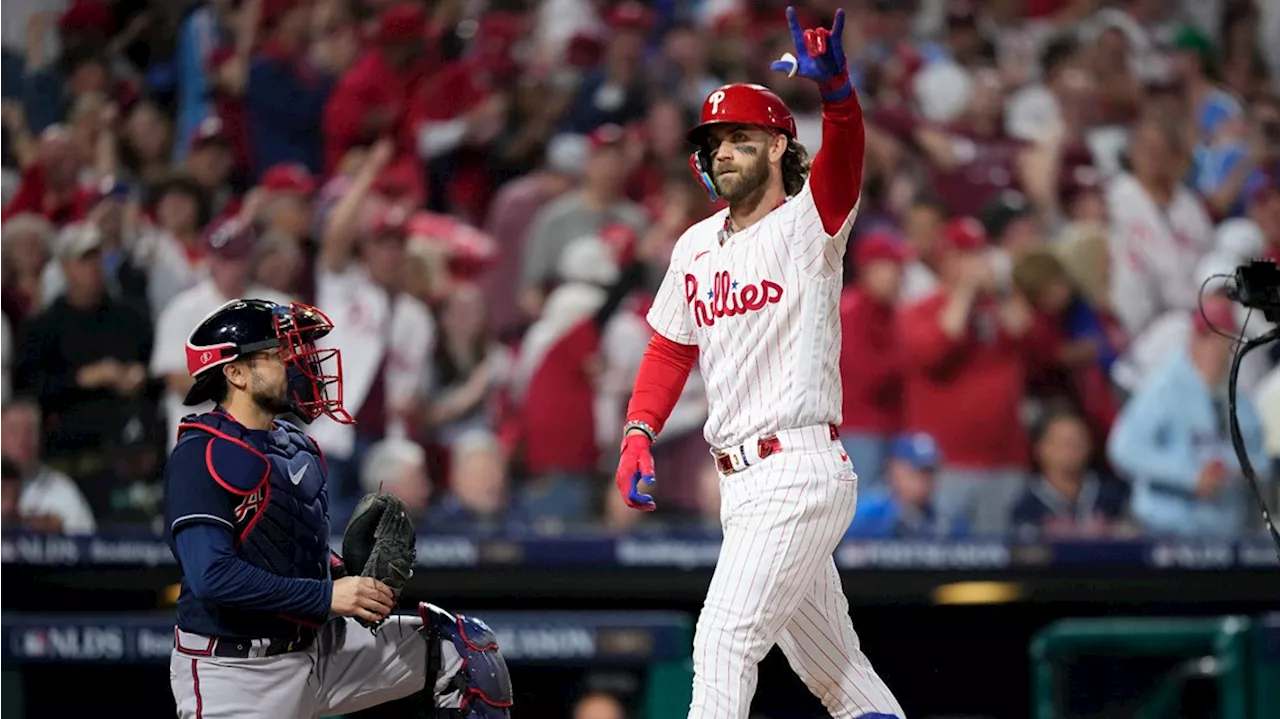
{"points": [[272, 624]]}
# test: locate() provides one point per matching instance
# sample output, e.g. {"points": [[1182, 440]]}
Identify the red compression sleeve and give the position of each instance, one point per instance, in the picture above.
{"points": [[836, 177], [663, 371]]}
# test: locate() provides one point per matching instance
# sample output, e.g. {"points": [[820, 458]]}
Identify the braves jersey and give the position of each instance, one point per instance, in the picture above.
{"points": [[763, 307]]}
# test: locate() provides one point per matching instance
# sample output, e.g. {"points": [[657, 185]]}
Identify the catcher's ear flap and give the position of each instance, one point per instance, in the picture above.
{"points": [[357, 541]]}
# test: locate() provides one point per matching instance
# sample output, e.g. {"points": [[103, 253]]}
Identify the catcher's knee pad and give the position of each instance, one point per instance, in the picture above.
{"points": [[483, 680]]}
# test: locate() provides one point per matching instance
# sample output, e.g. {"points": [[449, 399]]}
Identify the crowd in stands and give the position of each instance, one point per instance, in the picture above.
{"points": [[484, 195]]}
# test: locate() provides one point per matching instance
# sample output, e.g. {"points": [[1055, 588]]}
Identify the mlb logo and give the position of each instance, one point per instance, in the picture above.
{"points": [[35, 643]]}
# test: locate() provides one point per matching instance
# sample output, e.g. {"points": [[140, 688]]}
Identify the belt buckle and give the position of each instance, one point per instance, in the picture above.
{"points": [[738, 458]]}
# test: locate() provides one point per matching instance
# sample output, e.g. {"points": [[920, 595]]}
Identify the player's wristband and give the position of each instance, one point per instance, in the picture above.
{"points": [[837, 89], [644, 427]]}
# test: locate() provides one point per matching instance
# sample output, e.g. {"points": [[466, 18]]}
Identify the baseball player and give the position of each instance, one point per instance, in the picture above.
{"points": [[752, 294], [268, 624]]}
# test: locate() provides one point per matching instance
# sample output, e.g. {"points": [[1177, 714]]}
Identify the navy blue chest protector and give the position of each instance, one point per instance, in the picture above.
{"points": [[278, 488]]}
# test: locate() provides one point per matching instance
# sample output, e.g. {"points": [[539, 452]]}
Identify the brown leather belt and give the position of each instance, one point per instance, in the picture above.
{"points": [[765, 446]]}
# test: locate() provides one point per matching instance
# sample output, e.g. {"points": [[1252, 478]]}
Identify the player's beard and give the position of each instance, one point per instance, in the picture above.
{"points": [[745, 182], [273, 399]]}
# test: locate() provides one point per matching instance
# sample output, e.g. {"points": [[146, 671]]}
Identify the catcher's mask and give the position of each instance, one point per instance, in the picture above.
{"points": [[242, 327], [737, 104]]}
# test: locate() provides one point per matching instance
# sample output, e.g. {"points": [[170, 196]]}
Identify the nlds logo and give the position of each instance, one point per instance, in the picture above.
{"points": [[728, 298], [78, 643]]}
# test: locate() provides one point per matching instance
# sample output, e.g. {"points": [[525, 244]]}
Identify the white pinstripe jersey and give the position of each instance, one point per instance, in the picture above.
{"points": [[764, 311]]}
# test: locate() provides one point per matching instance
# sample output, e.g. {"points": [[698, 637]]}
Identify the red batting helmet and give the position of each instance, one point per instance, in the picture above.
{"points": [[737, 104]]}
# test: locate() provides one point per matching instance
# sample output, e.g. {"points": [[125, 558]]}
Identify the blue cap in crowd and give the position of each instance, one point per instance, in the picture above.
{"points": [[918, 448]]}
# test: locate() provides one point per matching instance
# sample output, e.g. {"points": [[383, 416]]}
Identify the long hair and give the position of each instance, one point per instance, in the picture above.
{"points": [[795, 167]]}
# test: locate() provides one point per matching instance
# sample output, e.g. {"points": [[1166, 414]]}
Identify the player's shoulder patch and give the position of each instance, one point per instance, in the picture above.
{"points": [[236, 466]]}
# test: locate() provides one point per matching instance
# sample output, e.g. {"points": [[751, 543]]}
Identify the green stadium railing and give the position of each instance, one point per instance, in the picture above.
{"points": [[1243, 658]]}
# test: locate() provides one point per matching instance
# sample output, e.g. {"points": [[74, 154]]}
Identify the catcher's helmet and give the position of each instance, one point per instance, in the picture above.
{"points": [[737, 104], [242, 327]]}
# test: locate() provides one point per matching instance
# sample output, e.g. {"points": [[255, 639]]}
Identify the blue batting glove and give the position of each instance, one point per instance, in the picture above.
{"points": [[819, 57]]}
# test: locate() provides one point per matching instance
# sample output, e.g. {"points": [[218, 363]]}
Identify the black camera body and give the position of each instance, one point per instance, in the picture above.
{"points": [[1257, 287]]}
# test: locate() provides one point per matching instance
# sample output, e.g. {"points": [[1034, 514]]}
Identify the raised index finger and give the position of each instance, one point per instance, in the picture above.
{"points": [[837, 25], [797, 34]]}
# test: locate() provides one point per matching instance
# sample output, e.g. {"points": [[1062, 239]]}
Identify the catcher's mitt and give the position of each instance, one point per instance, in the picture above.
{"points": [[380, 541]]}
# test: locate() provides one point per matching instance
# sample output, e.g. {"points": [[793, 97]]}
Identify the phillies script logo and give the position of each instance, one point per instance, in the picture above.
{"points": [[727, 298]]}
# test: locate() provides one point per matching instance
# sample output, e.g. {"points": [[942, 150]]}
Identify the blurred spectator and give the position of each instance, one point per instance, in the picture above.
{"points": [[10, 492], [971, 160], [372, 98], [1013, 227], [286, 93], [684, 75], [229, 249], [1257, 233], [1082, 249], [904, 504], [965, 370], [599, 705], [48, 500], [459, 113], [54, 76], [478, 497], [1051, 108], [870, 364], [510, 223], [146, 143], [597, 203], [1243, 150], [1116, 132], [385, 334], [465, 367], [615, 93], [205, 31], [1211, 107], [170, 250], [1171, 441], [85, 359], [1142, 23], [1268, 401], [557, 375], [1065, 498], [539, 102], [1159, 229], [1243, 67], [398, 467], [116, 214], [6, 357], [27, 240], [922, 225], [129, 491], [286, 214], [50, 186], [1070, 341], [210, 162]]}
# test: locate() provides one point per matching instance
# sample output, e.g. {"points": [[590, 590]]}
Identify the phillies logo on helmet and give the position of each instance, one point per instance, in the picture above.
{"points": [[714, 100], [727, 299], [205, 357]]}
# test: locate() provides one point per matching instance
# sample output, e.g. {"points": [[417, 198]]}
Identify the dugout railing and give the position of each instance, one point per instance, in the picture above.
{"points": [[1239, 655]]}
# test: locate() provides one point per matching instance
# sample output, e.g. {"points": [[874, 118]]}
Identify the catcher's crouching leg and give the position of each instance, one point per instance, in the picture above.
{"points": [[480, 687]]}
